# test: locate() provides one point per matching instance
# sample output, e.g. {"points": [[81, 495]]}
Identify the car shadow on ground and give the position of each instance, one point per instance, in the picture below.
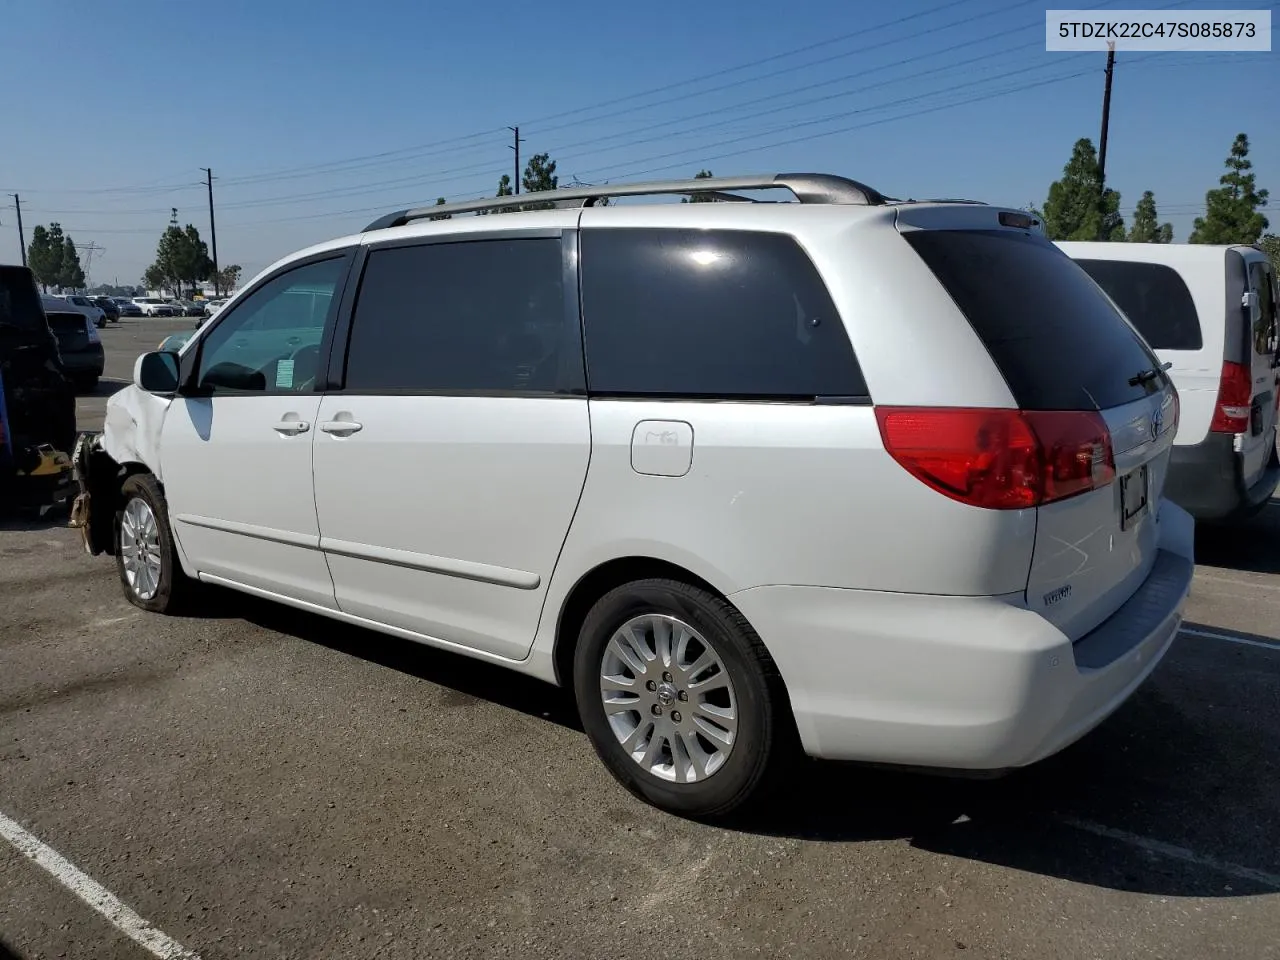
{"points": [[1251, 546], [1137, 805]]}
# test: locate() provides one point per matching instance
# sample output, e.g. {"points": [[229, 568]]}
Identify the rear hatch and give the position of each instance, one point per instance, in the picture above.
{"points": [[70, 329], [1095, 410]]}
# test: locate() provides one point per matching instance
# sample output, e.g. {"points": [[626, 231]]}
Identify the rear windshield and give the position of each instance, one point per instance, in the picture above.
{"points": [[1056, 338], [1154, 297], [19, 303]]}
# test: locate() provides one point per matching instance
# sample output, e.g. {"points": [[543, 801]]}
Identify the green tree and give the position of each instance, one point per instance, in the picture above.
{"points": [[539, 176], [1078, 208], [442, 216], [1233, 211], [182, 258], [228, 277], [1145, 228], [71, 276], [1270, 244], [44, 256], [154, 278], [700, 197]]}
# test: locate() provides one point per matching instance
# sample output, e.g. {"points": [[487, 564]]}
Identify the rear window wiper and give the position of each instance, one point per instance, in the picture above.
{"points": [[1146, 376]]}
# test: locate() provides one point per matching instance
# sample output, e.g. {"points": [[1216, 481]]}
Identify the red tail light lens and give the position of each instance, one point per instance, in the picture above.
{"points": [[1235, 397], [1000, 459]]}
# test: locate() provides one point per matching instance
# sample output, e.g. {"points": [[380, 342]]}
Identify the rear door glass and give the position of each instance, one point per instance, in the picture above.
{"points": [[1056, 338], [1154, 297], [1265, 330]]}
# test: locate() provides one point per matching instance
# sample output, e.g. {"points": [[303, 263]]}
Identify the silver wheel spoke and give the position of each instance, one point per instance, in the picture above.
{"points": [[668, 698], [622, 705], [625, 652], [140, 553]]}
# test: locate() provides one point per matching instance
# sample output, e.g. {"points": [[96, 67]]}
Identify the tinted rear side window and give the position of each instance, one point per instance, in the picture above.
{"points": [[19, 302], [1055, 336], [1154, 297], [710, 314], [479, 316]]}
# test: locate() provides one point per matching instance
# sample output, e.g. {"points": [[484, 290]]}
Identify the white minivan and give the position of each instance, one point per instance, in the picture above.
{"points": [[873, 479], [1211, 313]]}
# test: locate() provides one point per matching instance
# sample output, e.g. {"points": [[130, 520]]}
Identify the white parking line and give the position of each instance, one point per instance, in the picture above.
{"points": [[98, 897], [1173, 852], [1246, 641]]}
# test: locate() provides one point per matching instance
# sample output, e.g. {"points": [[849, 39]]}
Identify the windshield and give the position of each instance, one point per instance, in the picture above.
{"points": [[19, 302]]}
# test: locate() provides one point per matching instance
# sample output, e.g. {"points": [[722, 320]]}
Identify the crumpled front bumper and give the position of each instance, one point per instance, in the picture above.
{"points": [[92, 511]]}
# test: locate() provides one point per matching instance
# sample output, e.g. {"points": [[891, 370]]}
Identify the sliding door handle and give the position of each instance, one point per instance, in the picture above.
{"points": [[341, 428]]}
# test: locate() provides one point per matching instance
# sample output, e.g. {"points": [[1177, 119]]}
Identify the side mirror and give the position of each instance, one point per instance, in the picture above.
{"points": [[157, 372]]}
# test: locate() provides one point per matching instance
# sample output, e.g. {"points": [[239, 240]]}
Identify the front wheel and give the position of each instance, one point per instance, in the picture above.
{"points": [[679, 697], [146, 555]]}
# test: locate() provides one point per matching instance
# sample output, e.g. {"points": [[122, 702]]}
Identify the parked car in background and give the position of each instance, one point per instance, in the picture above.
{"points": [[174, 342], [880, 478], [211, 307], [78, 341], [153, 307], [1210, 312], [193, 308], [127, 307], [85, 303], [109, 307], [37, 399]]}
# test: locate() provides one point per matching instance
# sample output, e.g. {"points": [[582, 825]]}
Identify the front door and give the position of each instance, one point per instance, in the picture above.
{"points": [[236, 450], [448, 468]]}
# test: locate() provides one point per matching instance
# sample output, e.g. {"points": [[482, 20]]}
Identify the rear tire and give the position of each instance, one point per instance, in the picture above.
{"points": [[87, 383], [146, 555], [720, 727]]}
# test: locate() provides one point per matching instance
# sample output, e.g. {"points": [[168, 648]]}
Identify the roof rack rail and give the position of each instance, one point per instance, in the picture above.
{"points": [[807, 188]]}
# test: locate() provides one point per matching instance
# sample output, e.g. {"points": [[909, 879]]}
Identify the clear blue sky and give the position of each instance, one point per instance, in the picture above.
{"points": [[317, 115]]}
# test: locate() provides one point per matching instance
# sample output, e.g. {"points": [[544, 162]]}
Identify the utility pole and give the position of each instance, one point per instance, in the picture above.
{"points": [[516, 147], [1106, 116], [22, 241], [213, 230]]}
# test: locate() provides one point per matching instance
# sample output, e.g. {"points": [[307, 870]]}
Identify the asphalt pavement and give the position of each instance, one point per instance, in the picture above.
{"points": [[259, 782]]}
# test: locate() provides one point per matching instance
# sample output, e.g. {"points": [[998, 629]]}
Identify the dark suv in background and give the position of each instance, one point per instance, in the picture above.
{"points": [[37, 399]]}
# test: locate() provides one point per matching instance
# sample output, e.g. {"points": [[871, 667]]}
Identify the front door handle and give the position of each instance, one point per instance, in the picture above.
{"points": [[291, 428], [341, 428]]}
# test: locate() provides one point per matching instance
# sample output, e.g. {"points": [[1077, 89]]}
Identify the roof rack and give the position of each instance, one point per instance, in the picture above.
{"points": [[807, 188]]}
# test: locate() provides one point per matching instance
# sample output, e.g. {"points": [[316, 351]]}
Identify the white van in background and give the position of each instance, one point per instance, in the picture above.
{"points": [[1211, 312]]}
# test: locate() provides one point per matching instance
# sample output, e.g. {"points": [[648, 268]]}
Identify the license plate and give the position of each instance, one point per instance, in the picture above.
{"points": [[1133, 497]]}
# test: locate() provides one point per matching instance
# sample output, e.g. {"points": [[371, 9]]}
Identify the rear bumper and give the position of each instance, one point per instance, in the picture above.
{"points": [[962, 683], [1207, 480], [85, 361]]}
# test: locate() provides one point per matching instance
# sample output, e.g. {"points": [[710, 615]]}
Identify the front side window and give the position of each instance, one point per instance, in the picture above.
{"points": [[271, 341], [710, 314], [477, 316]]}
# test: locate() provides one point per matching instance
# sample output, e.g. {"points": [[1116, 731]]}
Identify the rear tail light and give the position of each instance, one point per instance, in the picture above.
{"points": [[1235, 398], [91, 329], [1000, 459]]}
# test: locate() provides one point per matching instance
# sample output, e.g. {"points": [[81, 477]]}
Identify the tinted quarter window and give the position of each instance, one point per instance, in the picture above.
{"points": [[470, 316], [710, 313], [1154, 297], [1054, 335]]}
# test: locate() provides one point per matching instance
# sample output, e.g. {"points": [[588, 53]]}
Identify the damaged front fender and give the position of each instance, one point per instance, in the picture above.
{"points": [[99, 478], [128, 444]]}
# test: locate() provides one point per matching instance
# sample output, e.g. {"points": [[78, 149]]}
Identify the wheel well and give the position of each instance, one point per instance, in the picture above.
{"points": [[595, 585], [106, 477]]}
